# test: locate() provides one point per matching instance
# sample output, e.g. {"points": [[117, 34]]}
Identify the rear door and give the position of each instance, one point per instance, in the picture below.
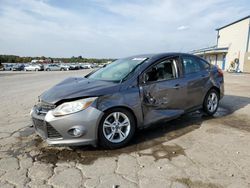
{"points": [[197, 74], [163, 91]]}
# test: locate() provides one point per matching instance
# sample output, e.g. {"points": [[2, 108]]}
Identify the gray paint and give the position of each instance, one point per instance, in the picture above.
{"points": [[62, 125], [150, 103]]}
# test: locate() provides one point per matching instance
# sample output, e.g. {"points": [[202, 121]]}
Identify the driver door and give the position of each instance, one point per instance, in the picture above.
{"points": [[162, 91]]}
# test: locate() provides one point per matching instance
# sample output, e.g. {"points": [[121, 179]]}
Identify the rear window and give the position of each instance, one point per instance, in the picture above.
{"points": [[204, 64], [191, 65]]}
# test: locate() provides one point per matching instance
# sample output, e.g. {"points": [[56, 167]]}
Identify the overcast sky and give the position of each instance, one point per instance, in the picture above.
{"points": [[112, 28]]}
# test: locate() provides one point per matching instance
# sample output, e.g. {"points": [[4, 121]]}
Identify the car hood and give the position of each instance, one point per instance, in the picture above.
{"points": [[73, 88]]}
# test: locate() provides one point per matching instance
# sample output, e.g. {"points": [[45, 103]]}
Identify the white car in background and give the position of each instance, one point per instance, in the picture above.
{"points": [[86, 66], [32, 67], [56, 67], [64, 67]]}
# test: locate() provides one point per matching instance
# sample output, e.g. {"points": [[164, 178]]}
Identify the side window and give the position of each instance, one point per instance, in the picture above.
{"points": [[204, 64], [165, 70], [191, 65]]}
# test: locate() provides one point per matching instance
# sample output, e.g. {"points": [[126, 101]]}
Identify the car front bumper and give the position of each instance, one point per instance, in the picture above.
{"points": [[56, 130]]}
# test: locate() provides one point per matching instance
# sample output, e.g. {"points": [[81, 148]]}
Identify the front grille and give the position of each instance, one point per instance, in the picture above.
{"points": [[40, 127], [45, 129], [42, 108], [52, 133], [38, 123]]}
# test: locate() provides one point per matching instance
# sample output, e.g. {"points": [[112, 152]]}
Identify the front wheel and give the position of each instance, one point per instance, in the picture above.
{"points": [[211, 102], [116, 128]]}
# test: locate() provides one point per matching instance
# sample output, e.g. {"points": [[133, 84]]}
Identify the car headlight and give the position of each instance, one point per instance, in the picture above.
{"points": [[73, 107]]}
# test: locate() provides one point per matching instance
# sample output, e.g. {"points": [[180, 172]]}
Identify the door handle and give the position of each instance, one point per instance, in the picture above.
{"points": [[177, 86]]}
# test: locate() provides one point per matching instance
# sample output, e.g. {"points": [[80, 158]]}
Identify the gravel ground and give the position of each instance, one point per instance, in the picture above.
{"points": [[192, 151]]}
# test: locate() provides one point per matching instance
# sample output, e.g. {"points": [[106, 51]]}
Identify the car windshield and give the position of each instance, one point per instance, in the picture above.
{"points": [[118, 70]]}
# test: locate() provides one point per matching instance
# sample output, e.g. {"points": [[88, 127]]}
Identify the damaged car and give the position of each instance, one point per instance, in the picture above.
{"points": [[109, 105]]}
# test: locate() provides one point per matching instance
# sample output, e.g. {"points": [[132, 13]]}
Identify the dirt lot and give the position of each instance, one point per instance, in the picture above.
{"points": [[192, 151]]}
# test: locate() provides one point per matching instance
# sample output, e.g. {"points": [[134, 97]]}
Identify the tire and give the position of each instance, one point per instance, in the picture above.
{"points": [[47, 69], [62, 69], [211, 102], [114, 134], [36, 70]]}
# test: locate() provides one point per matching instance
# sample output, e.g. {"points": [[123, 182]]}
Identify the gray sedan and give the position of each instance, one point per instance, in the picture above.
{"points": [[55, 67], [107, 106]]}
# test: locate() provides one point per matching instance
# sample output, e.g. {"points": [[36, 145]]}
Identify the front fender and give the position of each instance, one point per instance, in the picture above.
{"points": [[129, 99]]}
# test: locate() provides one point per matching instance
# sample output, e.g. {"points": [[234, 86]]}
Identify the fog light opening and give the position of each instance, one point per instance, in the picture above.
{"points": [[76, 132]]}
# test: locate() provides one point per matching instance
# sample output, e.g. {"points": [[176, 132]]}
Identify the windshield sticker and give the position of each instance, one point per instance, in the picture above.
{"points": [[139, 59]]}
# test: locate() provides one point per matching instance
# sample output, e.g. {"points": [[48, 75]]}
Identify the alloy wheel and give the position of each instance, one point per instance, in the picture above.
{"points": [[116, 127], [212, 102]]}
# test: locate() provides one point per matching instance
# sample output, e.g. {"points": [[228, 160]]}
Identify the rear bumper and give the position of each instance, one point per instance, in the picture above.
{"points": [[221, 90], [55, 130]]}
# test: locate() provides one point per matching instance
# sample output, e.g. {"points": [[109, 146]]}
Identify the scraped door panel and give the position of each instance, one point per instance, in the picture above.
{"points": [[163, 100]]}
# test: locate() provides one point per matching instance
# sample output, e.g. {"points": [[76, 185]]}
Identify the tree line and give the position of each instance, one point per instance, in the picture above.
{"points": [[73, 59]]}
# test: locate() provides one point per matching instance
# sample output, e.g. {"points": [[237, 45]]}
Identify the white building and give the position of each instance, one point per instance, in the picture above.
{"points": [[233, 42]]}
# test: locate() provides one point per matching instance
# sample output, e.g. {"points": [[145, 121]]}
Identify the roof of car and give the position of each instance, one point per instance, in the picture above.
{"points": [[159, 55]]}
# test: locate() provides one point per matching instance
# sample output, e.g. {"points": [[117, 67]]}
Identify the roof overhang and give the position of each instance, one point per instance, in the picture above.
{"points": [[210, 51]]}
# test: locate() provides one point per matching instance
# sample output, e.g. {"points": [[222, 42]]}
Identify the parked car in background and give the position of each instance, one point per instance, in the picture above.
{"points": [[18, 67], [94, 65], [74, 66], [107, 106], [86, 66], [64, 67], [7, 67], [32, 67], [56, 67], [1, 66], [100, 65], [52, 67]]}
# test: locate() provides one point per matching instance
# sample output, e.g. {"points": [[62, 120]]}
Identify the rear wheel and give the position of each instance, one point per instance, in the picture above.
{"points": [[116, 128], [48, 69], [211, 102]]}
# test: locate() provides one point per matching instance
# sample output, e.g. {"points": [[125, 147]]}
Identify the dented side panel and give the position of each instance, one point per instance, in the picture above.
{"points": [[163, 100], [128, 98]]}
